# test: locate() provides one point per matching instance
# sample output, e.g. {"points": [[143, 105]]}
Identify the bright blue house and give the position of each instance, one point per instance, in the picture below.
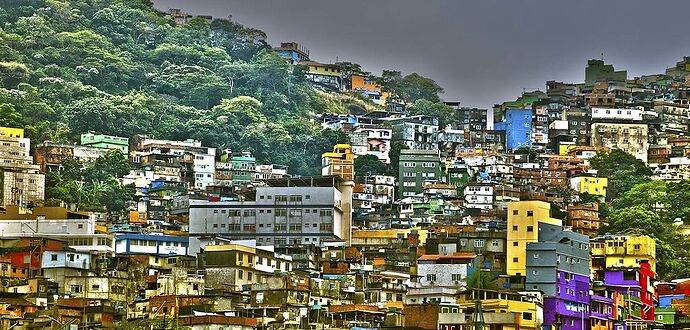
{"points": [[518, 126]]}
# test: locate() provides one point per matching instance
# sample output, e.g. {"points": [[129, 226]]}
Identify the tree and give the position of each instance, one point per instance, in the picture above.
{"points": [[112, 164], [394, 155], [650, 208], [13, 73], [622, 169], [410, 88], [114, 196], [481, 280], [369, 165], [439, 110]]}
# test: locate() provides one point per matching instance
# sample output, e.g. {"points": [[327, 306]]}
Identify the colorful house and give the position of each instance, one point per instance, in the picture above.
{"points": [[622, 252], [341, 162], [371, 89], [601, 312], [517, 123], [292, 52], [324, 76], [10, 132], [590, 184], [524, 218], [103, 141], [558, 266]]}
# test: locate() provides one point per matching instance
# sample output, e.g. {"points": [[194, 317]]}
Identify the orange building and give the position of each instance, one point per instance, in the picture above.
{"points": [[361, 83]]}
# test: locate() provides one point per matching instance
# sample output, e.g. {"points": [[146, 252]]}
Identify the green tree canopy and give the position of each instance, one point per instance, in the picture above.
{"points": [[369, 165], [622, 169]]}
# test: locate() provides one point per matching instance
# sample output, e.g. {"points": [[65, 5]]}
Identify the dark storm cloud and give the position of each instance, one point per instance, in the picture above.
{"points": [[482, 52]]}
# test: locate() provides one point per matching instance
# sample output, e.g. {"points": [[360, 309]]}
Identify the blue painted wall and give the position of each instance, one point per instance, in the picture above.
{"points": [[518, 127]]}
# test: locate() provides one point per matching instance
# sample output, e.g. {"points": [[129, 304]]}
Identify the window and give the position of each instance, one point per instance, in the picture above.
{"points": [[530, 213], [536, 256], [515, 212], [76, 288], [240, 274], [516, 243], [515, 259], [456, 277], [526, 316], [431, 277], [636, 246], [53, 257], [80, 226], [530, 228], [95, 287], [515, 228]]}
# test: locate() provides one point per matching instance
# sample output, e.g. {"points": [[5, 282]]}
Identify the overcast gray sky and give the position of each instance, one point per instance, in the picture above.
{"points": [[482, 51]]}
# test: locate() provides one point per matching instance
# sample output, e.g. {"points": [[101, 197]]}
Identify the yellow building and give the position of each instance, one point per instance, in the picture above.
{"points": [[385, 236], [524, 218], [564, 149], [321, 69], [590, 184], [326, 76], [622, 251], [528, 310], [340, 162], [12, 132]]}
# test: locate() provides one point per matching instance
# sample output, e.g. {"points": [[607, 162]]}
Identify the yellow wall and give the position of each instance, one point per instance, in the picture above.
{"points": [[323, 69], [510, 306], [518, 216], [391, 234], [340, 151], [563, 150], [12, 132], [627, 252], [594, 186]]}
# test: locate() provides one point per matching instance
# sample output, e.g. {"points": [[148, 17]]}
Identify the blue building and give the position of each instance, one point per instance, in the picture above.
{"points": [[292, 52], [517, 123]]}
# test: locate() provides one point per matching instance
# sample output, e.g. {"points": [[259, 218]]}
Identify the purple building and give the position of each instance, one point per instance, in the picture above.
{"points": [[571, 302], [558, 266], [601, 312]]}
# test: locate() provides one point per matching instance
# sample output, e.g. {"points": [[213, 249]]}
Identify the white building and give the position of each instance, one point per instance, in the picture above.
{"points": [[307, 210], [479, 196], [608, 114], [375, 141], [677, 169], [445, 270]]}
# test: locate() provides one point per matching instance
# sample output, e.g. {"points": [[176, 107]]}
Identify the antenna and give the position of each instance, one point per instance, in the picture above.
{"points": [[602, 56]]}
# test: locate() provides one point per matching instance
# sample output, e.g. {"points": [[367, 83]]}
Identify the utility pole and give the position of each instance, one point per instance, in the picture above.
{"points": [[478, 315]]}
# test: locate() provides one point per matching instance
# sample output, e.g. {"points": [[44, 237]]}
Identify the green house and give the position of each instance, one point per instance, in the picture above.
{"points": [[105, 142]]}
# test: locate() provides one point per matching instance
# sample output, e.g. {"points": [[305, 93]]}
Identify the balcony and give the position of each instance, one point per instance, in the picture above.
{"points": [[387, 286]]}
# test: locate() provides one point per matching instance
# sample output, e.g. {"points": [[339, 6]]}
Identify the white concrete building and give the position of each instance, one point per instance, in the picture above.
{"points": [[479, 196], [445, 270], [608, 114]]}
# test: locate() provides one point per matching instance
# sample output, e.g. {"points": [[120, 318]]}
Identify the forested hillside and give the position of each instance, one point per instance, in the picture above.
{"points": [[120, 67]]}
